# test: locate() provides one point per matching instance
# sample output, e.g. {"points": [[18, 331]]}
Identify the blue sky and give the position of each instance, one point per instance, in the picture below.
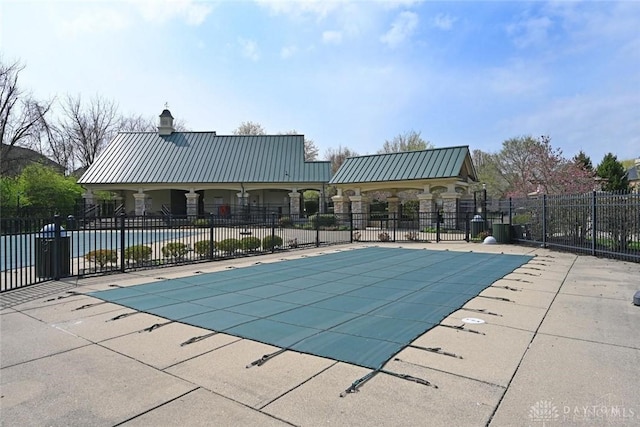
{"points": [[349, 73]]}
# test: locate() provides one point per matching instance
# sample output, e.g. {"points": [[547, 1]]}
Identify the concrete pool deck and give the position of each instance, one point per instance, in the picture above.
{"points": [[560, 346]]}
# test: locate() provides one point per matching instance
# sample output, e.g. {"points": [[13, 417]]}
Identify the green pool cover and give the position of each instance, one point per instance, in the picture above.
{"points": [[358, 306]]}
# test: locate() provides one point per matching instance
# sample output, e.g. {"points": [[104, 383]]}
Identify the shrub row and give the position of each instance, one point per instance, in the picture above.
{"points": [[177, 250]]}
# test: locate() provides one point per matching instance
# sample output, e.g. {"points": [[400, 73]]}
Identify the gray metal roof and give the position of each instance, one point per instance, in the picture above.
{"points": [[406, 166], [204, 157]]}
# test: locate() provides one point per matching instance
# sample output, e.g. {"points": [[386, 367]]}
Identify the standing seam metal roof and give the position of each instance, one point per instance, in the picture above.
{"points": [[204, 157], [412, 165]]}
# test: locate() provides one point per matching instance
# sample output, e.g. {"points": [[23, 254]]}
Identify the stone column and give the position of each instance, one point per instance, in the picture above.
{"points": [[192, 203], [392, 207], [426, 211], [294, 204], [450, 209], [360, 211], [140, 202], [341, 209]]}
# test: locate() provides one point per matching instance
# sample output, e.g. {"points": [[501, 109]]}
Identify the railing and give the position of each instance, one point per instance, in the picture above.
{"points": [[35, 250], [75, 248], [599, 224]]}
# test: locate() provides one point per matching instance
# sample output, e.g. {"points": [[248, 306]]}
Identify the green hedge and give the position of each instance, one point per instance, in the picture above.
{"points": [[175, 250], [137, 253], [270, 242], [102, 256], [203, 247], [250, 243], [228, 246], [323, 220]]}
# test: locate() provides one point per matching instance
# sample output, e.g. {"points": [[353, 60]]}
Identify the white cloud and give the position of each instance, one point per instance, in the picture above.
{"points": [[160, 11], [94, 20], [444, 21], [517, 79], [288, 51], [530, 32], [318, 8], [332, 37], [249, 49], [401, 29], [603, 123]]}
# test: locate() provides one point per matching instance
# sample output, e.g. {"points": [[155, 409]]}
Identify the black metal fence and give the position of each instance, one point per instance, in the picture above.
{"points": [[36, 250], [599, 224]]}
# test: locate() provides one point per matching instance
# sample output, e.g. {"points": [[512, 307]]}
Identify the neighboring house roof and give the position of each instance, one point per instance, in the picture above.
{"points": [[204, 157], [440, 163], [632, 173], [13, 159]]}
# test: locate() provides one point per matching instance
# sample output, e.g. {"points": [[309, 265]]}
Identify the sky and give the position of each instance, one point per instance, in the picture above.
{"points": [[348, 73]]}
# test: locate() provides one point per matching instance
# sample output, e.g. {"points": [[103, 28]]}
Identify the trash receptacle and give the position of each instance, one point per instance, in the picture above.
{"points": [[53, 256], [477, 226], [502, 233]]}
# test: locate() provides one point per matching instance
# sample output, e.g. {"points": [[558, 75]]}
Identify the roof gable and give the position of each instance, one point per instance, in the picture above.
{"points": [[407, 166], [204, 157]]}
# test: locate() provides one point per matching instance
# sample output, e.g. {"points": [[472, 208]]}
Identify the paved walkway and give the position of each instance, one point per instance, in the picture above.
{"points": [[560, 346]]}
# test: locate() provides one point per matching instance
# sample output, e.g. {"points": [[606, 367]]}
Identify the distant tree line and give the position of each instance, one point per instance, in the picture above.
{"points": [[527, 166]]}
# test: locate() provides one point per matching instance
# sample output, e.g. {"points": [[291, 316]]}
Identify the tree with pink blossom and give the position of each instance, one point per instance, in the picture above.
{"points": [[532, 166]]}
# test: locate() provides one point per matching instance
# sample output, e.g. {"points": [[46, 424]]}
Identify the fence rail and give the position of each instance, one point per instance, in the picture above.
{"points": [[599, 224], [35, 250]]}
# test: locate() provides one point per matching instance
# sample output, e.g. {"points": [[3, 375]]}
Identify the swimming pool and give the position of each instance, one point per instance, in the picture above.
{"points": [[18, 251]]}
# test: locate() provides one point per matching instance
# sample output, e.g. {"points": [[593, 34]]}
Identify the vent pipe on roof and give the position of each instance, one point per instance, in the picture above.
{"points": [[166, 123]]}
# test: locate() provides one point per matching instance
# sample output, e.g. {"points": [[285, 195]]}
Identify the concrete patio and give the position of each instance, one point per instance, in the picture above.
{"points": [[560, 346]]}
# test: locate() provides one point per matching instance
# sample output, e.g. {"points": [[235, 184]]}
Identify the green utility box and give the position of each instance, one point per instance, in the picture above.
{"points": [[502, 233]]}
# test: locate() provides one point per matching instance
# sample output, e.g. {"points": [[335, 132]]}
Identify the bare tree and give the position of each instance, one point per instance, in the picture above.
{"points": [[88, 128], [338, 156], [139, 123], [310, 149], [20, 113], [408, 141], [249, 128]]}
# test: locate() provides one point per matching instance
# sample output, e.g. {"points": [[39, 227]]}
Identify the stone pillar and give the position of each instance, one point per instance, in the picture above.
{"points": [[341, 209], [360, 211], [392, 207], [140, 202], [426, 211], [450, 209], [192, 203], [294, 204]]}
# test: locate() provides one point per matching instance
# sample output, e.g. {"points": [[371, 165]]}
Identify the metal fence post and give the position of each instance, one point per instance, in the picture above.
{"points": [[510, 211], [211, 235], [437, 227], [350, 227], [395, 224], [544, 220], [466, 227], [122, 242], [273, 231], [317, 229], [57, 243], [593, 223]]}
